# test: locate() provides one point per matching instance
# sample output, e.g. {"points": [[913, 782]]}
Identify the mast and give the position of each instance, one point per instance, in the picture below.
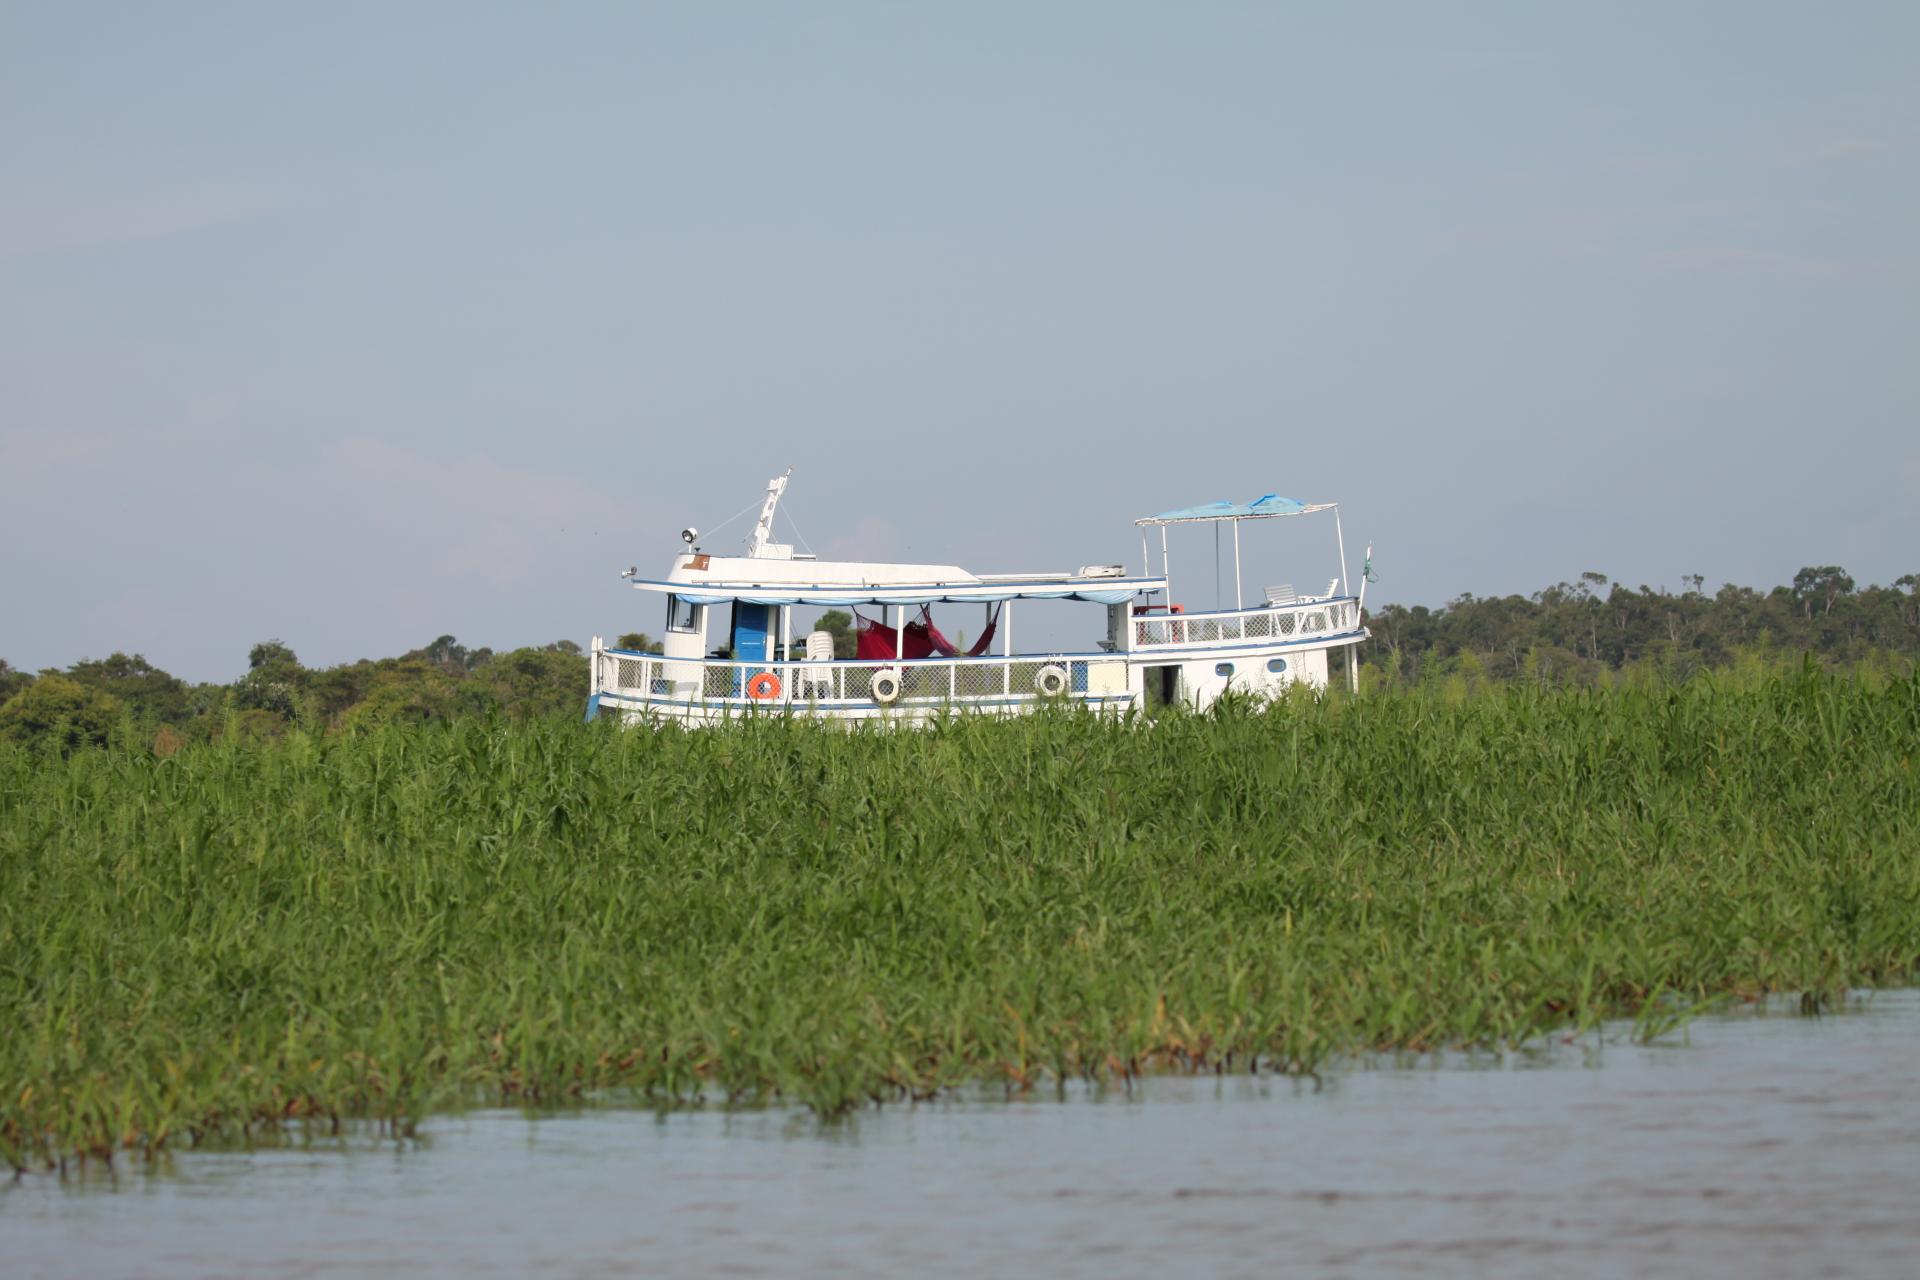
{"points": [[1337, 533], [763, 531]]}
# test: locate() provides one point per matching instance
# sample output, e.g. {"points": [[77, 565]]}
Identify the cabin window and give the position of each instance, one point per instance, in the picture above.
{"points": [[1276, 665], [683, 615], [1223, 669]]}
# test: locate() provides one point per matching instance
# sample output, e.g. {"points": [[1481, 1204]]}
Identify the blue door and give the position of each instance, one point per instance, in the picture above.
{"points": [[752, 639]]}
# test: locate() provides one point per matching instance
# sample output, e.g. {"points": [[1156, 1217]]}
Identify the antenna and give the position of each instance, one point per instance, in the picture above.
{"points": [[763, 531]]}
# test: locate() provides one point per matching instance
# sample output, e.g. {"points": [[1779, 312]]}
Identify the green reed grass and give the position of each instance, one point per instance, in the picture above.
{"points": [[385, 924]]}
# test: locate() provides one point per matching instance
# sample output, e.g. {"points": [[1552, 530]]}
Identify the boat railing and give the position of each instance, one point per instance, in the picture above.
{"points": [[1300, 620], [632, 677]]}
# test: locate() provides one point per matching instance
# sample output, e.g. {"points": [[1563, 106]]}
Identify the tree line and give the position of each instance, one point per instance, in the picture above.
{"points": [[1580, 632], [1589, 630], [124, 698]]}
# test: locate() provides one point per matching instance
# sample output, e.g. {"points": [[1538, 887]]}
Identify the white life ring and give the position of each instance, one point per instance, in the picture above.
{"points": [[885, 685], [1050, 681]]}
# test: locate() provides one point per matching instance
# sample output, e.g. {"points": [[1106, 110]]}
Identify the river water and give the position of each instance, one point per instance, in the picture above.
{"points": [[1754, 1144]]}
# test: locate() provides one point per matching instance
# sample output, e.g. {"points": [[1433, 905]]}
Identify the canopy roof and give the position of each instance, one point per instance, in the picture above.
{"points": [[1271, 504], [975, 590]]}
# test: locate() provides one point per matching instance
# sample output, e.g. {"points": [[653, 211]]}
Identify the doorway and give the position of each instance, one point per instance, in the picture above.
{"points": [[1162, 686]]}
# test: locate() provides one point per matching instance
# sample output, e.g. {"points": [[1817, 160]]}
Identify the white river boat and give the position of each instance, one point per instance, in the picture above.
{"points": [[730, 646]]}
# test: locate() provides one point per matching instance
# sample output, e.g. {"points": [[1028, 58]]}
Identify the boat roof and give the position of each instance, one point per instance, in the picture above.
{"points": [[1262, 508], [709, 579]]}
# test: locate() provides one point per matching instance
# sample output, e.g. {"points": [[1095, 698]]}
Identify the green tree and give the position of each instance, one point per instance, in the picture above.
{"points": [[1650, 630], [536, 682], [150, 693], [12, 681], [638, 641], [273, 682], [1904, 608], [332, 692], [450, 655], [256, 725], [1824, 583], [58, 715], [446, 652], [406, 691], [271, 654]]}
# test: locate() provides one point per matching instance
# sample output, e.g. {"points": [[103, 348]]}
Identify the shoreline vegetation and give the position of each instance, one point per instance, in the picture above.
{"points": [[1592, 632], [384, 919]]}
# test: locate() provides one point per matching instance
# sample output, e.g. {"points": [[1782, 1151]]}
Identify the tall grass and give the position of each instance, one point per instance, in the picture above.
{"points": [[387, 923]]}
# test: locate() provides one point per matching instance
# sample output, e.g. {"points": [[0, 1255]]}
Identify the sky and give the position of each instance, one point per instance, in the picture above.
{"points": [[356, 324]]}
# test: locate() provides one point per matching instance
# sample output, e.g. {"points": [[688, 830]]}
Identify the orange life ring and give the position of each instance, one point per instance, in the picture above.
{"points": [[763, 686]]}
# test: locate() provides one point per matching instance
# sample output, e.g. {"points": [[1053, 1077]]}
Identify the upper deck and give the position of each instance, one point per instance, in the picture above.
{"points": [[699, 578]]}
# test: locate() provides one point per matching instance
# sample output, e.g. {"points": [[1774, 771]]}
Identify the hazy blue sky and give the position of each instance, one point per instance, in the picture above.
{"points": [[354, 324]]}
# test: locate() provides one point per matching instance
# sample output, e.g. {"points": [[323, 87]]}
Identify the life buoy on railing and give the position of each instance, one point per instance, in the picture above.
{"points": [[763, 686], [885, 685], [1050, 681]]}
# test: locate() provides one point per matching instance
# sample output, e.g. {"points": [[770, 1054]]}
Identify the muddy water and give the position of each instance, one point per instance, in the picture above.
{"points": [[1771, 1145]]}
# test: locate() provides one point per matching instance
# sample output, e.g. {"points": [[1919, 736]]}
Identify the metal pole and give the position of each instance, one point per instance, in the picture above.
{"points": [[1216, 564], [1145, 568], [1339, 534], [1006, 649], [1164, 571], [1236, 565]]}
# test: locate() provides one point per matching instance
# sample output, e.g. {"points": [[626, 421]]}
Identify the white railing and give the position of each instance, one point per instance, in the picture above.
{"points": [[1301, 620], [650, 679]]}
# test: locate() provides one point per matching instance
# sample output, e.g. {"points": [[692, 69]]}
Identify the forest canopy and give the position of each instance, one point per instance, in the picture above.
{"points": [[1583, 631], [124, 697]]}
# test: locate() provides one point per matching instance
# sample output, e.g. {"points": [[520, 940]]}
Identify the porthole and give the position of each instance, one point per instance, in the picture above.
{"points": [[1223, 668], [1276, 665]]}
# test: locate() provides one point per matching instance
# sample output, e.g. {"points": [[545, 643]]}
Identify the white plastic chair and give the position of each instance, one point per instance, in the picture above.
{"points": [[819, 649], [1282, 594]]}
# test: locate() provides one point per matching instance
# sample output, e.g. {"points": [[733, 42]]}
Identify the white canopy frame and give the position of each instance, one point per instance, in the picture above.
{"points": [[1233, 518]]}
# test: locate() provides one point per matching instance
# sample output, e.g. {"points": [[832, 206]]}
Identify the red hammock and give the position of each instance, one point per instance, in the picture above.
{"points": [[873, 641]]}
